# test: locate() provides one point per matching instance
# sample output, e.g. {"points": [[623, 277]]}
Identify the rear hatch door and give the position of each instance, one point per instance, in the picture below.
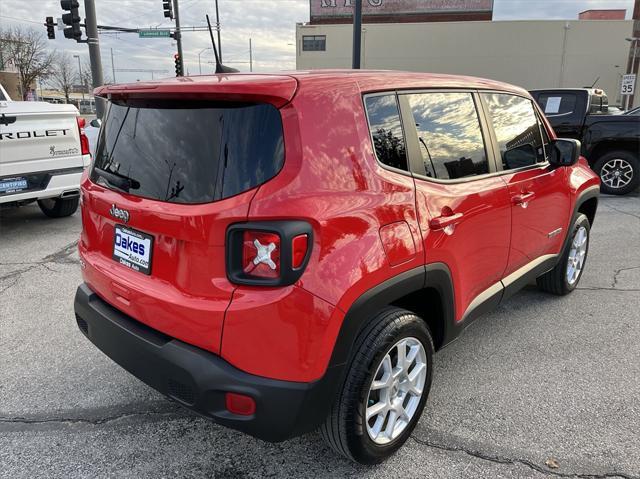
{"points": [[170, 174]]}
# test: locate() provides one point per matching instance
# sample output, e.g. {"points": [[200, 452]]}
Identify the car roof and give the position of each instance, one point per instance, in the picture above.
{"points": [[282, 85], [593, 91], [380, 80]]}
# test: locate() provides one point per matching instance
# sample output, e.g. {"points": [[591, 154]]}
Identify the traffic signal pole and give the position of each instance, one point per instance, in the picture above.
{"points": [[176, 14], [357, 34], [91, 27]]}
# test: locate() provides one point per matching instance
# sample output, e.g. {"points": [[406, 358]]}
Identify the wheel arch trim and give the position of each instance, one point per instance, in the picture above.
{"points": [[435, 276]]}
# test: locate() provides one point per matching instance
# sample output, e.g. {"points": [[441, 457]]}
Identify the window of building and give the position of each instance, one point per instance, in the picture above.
{"points": [[449, 134], [517, 130], [386, 130], [314, 43]]}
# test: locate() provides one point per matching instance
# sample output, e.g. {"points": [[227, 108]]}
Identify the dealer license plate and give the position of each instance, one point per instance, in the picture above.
{"points": [[133, 249]]}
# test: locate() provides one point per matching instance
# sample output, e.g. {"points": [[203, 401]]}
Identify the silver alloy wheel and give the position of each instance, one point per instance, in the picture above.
{"points": [[616, 173], [577, 254], [396, 390]]}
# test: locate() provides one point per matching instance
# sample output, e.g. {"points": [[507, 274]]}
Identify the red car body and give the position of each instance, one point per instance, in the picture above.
{"points": [[377, 239]]}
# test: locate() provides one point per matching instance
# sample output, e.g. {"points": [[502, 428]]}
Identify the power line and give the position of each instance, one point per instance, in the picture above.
{"points": [[22, 20]]}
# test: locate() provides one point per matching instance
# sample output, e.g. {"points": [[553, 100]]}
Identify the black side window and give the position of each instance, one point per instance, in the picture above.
{"points": [[449, 134], [386, 130], [314, 43], [557, 103], [517, 130]]}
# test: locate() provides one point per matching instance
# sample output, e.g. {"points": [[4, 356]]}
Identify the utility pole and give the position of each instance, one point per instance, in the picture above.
{"points": [[176, 13], [113, 68], [564, 53], [218, 28], [628, 104], [357, 34], [250, 57], [91, 27], [80, 73], [199, 62]]}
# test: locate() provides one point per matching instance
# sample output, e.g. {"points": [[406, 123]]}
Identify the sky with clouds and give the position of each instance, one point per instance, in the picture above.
{"points": [[269, 23]]}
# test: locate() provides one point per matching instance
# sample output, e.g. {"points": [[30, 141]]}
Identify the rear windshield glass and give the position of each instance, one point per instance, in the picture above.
{"points": [[188, 152], [557, 103]]}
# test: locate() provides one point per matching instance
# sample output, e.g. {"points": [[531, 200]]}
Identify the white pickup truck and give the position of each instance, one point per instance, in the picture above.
{"points": [[43, 152]]}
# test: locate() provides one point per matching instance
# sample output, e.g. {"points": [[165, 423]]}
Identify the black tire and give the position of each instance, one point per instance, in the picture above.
{"points": [[344, 428], [626, 160], [59, 207], [556, 281]]}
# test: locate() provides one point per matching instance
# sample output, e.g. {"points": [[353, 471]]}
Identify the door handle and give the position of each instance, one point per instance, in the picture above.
{"points": [[441, 222], [523, 199]]}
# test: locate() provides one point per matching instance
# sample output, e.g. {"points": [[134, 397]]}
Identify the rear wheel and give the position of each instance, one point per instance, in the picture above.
{"points": [[59, 207], [565, 276], [619, 172], [385, 389]]}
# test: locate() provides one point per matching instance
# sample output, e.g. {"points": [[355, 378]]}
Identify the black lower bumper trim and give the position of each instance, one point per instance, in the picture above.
{"points": [[199, 379]]}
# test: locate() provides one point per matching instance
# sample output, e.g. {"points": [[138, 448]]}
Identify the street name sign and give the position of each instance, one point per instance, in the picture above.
{"points": [[154, 33]]}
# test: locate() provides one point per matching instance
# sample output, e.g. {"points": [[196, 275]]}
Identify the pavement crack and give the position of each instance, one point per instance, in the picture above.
{"points": [[9, 280], [62, 256], [600, 288], [88, 420], [621, 211], [524, 462], [617, 272]]}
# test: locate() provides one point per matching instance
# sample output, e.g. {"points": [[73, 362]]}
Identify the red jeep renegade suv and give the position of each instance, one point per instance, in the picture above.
{"points": [[286, 252]]}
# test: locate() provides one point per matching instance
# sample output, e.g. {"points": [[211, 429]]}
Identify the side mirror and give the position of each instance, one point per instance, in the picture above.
{"points": [[565, 152], [95, 123], [520, 156]]}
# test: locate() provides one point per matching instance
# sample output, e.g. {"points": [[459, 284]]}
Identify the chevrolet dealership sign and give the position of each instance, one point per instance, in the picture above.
{"points": [[342, 8]]}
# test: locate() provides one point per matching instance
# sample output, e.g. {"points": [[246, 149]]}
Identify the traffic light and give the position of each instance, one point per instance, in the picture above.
{"points": [[167, 5], [176, 58], [72, 19], [51, 33]]}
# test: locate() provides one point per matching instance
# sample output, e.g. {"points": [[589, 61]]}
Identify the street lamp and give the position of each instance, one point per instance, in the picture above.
{"points": [[199, 64], [80, 72]]}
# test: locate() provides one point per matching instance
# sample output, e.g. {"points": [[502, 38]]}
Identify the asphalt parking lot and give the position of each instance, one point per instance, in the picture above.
{"points": [[541, 381]]}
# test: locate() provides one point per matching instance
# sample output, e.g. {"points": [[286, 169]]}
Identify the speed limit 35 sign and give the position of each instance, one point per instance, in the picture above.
{"points": [[628, 84]]}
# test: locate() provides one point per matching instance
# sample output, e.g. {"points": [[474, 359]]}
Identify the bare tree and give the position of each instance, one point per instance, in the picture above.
{"points": [[64, 74], [27, 50]]}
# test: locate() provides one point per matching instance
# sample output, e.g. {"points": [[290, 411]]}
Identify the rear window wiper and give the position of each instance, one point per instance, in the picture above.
{"points": [[118, 180]]}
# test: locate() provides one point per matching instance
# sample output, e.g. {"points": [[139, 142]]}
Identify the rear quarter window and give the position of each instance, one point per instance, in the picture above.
{"points": [[386, 130], [557, 103], [188, 152]]}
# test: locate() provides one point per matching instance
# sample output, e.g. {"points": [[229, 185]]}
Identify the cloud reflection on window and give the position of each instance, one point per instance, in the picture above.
{"points": [[449, 134], [384, 121], [517, 131]]}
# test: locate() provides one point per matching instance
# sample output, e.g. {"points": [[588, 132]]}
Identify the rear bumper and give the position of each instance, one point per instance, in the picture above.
{"points": [[55, 184], [199, 380]]}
